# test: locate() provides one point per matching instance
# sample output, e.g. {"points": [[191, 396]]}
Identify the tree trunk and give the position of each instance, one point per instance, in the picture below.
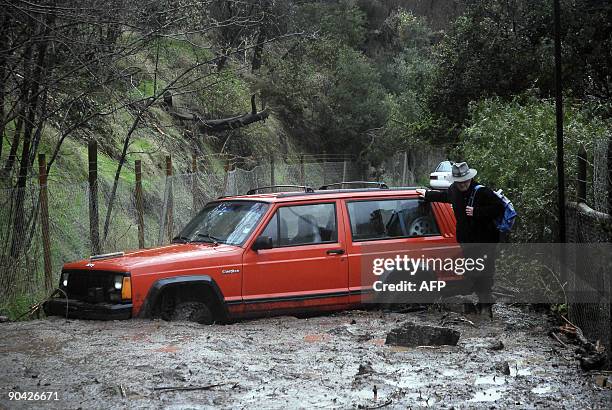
{"points": [[111, 201], [4, 26], [225, 124], [23, 104], [261, 38], [10, 160], [19, 225]]}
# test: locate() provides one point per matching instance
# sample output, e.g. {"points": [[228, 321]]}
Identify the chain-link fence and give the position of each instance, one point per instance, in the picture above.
{"points": [[412, 168], [590, 223], [28, 271], [21, 254]]}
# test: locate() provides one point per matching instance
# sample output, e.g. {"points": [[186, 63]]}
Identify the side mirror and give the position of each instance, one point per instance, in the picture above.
{"points": [[262, 242]]}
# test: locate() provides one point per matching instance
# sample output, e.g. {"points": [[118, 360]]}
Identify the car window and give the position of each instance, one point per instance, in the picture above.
{"points": [[302, 225], [444, 166], [395, 218], [229, 222]]}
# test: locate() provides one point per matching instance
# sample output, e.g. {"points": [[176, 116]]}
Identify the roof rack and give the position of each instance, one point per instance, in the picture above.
{"points": [[303, 187], [379, 185]]}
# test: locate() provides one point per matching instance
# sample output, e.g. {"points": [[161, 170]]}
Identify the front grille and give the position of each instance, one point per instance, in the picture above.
{"points": [[83, 285]]}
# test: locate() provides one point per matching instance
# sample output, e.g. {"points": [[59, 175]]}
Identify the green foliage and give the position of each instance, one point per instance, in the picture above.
{"points": [[513, 146], [228, 95], [342, 21], [501, 48], [491, 50], [407, 74], [331, 91], [16, 307]]}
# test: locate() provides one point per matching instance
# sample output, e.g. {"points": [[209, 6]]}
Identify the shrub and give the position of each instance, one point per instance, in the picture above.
{"points": [[513, 146]]}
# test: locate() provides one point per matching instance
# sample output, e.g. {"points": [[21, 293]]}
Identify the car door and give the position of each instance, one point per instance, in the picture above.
{"points": [[383, 228], [307, 266]]}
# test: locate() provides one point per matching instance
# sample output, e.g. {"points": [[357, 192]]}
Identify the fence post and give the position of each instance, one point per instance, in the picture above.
{"points": [[302, 171], [609, 185], [404, 169], [272, 171], [581, 178], [170, 211], [194, 184], [324, 170], [44, 220], [226, 168], [139, 203], [94, 227], [344, 164]]}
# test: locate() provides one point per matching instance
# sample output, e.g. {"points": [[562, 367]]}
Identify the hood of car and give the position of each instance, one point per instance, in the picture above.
{"points": [[164, 256]]}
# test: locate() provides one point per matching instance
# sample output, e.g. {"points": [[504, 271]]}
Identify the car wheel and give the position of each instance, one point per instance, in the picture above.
{"points": [[421, 226], [193, 312]]}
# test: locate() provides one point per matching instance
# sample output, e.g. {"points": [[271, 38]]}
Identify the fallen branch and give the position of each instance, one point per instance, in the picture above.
{"points": [[188, 388], [385, 404], [225, 124], [553, 334]]}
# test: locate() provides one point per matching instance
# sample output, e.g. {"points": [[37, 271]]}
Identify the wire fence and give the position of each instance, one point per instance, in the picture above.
{"points": [[589, 221], [412, 168], [48, 223]]}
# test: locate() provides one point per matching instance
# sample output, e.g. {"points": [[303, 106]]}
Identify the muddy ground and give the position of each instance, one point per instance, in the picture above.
{"points": [[329, 361]]}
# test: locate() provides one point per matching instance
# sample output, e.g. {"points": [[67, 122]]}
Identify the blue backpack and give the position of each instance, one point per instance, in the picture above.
{"points": [[504, 223]]}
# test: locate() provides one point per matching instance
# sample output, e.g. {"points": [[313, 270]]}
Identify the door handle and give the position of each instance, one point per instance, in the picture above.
{"points": [[335, 252]]}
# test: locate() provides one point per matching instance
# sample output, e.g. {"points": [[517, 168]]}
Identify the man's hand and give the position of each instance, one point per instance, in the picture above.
{"points": [[421, 192], [469, 210]]}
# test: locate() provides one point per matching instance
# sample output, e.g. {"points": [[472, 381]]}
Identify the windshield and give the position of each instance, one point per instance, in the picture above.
{"points": [[229, 222]]}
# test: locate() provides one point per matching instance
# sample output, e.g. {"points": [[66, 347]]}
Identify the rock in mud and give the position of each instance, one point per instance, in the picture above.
{"points": [[365, 368], [503, 368], [497, 345], [410, 334]]}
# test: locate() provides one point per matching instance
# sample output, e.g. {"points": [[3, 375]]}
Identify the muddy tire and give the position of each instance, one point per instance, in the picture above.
{"points": [[193, 312]]}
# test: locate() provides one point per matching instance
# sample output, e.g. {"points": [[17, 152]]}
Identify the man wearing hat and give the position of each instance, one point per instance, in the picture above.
{"points": [[475, 212]]}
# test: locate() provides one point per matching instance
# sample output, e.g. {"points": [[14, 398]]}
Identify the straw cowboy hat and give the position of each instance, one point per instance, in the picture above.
{"points": [[462, 172]]}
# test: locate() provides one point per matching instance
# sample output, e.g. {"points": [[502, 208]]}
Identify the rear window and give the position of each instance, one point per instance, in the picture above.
{"points": [[444, 166], [387, 219], [303, 225]]}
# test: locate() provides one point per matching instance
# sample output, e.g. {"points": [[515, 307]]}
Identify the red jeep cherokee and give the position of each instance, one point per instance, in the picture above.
{"points": [[258, 254]]}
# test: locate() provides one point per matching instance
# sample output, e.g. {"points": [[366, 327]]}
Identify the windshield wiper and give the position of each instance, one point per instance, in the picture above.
{"points": [[180, 239], [211, 239]]}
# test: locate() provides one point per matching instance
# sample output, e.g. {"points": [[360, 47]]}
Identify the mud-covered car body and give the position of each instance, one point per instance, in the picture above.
{"points": [[302, 251]]}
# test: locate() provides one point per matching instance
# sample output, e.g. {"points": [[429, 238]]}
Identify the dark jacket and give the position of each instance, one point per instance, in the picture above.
{"points": [[479, 228]]}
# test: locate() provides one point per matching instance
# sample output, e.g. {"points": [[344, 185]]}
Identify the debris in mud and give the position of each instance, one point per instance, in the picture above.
{"points": [[4, 319], [462, 304], [592, 361], [604, 381], [591, 356], [365, 368], [503, 367], [497, 345], [454, 318], [191, 388], [411, 335]]}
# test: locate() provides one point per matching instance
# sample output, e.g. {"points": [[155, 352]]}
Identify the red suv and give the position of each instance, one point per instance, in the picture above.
{"points": [[259, 254]]}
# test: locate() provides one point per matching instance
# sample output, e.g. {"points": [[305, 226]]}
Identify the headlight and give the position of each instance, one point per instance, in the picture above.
{"points": [[64, 280], [118, 282]]}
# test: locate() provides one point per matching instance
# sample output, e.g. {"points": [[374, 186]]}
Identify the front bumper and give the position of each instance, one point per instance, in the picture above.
{"points": [[82, 310]]}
